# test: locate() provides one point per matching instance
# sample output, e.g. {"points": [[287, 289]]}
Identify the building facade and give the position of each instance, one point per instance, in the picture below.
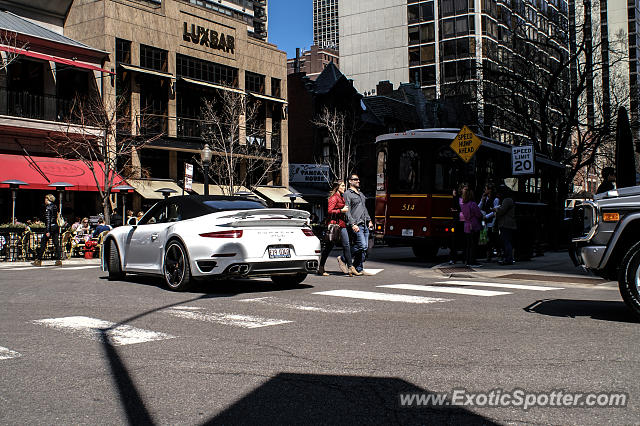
{"points": [[42, 75], [326, 31], [313, 61], [171, 56]]}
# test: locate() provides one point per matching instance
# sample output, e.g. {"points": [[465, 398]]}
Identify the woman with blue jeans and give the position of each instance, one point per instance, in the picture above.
{"points": [[336, 211]]}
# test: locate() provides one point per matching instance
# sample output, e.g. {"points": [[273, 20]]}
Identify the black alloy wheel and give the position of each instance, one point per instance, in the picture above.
{"points": [[176, 271], [629, 279]]}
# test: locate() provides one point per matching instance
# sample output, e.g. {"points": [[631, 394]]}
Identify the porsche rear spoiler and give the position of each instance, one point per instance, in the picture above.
{"points": [[267, 217], [288, 213]]}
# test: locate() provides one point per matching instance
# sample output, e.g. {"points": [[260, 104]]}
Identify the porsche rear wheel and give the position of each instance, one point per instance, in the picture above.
{"points": [[113, 264], [288, 280], [176, 271]]}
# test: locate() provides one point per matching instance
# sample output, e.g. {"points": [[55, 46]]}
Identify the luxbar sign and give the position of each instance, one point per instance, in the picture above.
{"points": [[208, 37]]}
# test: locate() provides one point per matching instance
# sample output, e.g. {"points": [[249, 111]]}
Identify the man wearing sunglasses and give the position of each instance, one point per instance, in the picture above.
{"points": [[358, 221]]}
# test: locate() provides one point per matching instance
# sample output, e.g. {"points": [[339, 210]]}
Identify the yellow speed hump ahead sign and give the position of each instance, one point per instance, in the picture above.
{"points": [[466, 144]]}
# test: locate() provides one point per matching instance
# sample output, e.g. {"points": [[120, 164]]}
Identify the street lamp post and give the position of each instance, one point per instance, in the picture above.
{"points": [[166, 192], [123, 189], [205, 156], [14, 184]]}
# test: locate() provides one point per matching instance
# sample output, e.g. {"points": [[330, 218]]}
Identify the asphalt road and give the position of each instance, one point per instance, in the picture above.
{"points": [[76, 348]]}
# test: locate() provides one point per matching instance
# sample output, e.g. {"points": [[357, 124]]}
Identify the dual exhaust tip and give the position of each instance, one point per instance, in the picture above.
{"points": [[312, 265], [239, 269]]}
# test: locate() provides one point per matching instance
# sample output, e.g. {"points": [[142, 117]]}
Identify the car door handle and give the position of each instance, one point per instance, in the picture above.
{"points": [[154, 237]]}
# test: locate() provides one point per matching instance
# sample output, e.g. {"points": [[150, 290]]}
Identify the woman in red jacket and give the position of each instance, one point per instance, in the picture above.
{"points": [[336, 214]]}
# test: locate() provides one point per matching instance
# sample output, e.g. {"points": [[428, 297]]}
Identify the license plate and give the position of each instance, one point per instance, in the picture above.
{"points": [[407, 232], [275, 253]]}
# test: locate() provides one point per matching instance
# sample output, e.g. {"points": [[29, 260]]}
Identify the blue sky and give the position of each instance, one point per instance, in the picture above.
{"points": [[291, 24]]}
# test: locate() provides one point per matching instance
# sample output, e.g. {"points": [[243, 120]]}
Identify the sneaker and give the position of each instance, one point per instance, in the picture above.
{"points": [[58, 262], [451, 262], [342, 265], [354, 271], [37, 263]]}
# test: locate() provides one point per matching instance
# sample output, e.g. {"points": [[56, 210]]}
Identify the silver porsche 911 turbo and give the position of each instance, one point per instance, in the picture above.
{"points": [[193, 237]]}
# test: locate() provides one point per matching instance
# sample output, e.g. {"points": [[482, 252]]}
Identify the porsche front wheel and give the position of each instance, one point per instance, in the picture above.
{"points": [[176, 271]]}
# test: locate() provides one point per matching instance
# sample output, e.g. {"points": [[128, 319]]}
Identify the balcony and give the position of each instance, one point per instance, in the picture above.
{"points": [[39, 107]]}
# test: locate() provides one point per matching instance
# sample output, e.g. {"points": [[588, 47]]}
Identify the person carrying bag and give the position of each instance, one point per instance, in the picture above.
{"points": [[337, 231]]}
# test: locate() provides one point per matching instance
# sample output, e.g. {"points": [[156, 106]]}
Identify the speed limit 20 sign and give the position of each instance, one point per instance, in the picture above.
{"points": [[522, 160]]}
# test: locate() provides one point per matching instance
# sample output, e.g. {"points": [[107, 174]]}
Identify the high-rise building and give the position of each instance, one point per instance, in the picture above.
{"points": [[325, 24], [442, 46]]}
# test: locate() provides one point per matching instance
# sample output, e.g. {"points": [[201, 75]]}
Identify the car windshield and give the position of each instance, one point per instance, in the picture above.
{"points": [[223, 205]]}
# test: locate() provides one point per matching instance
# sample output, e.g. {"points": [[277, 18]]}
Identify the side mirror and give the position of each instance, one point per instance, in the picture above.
{"points": [[132, 221]]}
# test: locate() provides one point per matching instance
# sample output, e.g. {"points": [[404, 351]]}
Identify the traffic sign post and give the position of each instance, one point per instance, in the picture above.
{"points": [[465, 144], [522, 160]]}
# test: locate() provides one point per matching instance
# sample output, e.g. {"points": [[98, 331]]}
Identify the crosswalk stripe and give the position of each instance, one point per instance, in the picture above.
{"points": [[436, 289], [6, 353], [238, 320], [92, 328], [500, 285], [370, 295], [328, 309], [73, 268], [372, 271]]}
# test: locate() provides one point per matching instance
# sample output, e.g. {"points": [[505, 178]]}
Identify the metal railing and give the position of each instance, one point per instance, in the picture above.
{"points": [[40, 107]]}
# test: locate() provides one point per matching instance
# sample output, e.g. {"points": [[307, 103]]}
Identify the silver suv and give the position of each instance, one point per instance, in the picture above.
{"points": [[606, 240]]}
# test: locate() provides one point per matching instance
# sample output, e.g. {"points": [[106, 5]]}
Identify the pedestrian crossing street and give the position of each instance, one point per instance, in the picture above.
{"points": [[321, 302]]}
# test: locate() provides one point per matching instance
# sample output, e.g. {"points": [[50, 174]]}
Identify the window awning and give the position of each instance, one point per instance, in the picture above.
{"points": [[147, 187], [147, 71], [39, 172], [212, 85], [311, 192], [268, 98], [277, 194], [57, 59]]}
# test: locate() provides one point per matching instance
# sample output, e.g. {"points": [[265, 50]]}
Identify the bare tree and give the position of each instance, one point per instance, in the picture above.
{"points": [[102, 138], [235, 162], [341, 129], [12, 47], [543, 94]]}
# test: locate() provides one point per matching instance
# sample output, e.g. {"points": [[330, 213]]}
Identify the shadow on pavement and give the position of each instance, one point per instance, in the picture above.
{"points": [[216, 288], [291, 398], [323, 399], [568, 308]]}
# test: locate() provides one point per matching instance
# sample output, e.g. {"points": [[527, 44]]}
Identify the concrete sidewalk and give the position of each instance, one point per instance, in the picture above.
{"points": [[552, 267]]}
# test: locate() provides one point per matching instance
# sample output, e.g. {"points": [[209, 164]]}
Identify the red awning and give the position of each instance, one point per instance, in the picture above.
{"points": [[75, 172], [57, 59]]}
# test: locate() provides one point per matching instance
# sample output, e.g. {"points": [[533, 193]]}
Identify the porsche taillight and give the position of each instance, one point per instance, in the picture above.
{"points": [[308, 232], [236, 233]]}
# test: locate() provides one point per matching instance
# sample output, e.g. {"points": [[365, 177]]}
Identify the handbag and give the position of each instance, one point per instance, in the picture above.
{"points": [[60, 220], [333, 233], [484, 237]]}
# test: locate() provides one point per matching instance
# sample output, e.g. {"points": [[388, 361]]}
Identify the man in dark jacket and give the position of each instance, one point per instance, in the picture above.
{"points": [[358, 222], [608, 180], [506, 223], [52, 231]]}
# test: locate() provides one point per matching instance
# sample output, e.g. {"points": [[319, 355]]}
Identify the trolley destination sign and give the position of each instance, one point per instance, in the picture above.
{"points": [[465, 144]]}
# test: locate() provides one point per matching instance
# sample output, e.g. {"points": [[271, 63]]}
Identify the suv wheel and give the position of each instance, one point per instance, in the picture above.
{"points": [[629, 279]]}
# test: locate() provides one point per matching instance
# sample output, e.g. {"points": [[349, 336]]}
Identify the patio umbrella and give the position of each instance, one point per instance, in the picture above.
{"points": [[625, 154]]}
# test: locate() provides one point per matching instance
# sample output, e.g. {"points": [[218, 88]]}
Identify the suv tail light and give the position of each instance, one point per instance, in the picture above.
{"points": [[308, 232], [236, 233]]}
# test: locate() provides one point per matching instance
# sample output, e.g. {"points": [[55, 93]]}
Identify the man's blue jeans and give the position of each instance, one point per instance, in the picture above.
{"points": [[359, 248]]}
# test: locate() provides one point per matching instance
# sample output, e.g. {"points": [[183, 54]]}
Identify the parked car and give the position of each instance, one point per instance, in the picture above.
{"points": [[187, 238], [607, 240]]}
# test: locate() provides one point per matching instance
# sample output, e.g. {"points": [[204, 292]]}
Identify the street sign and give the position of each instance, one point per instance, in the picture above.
{"points": [[188, 176], [465, 144], [522, 160]]}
